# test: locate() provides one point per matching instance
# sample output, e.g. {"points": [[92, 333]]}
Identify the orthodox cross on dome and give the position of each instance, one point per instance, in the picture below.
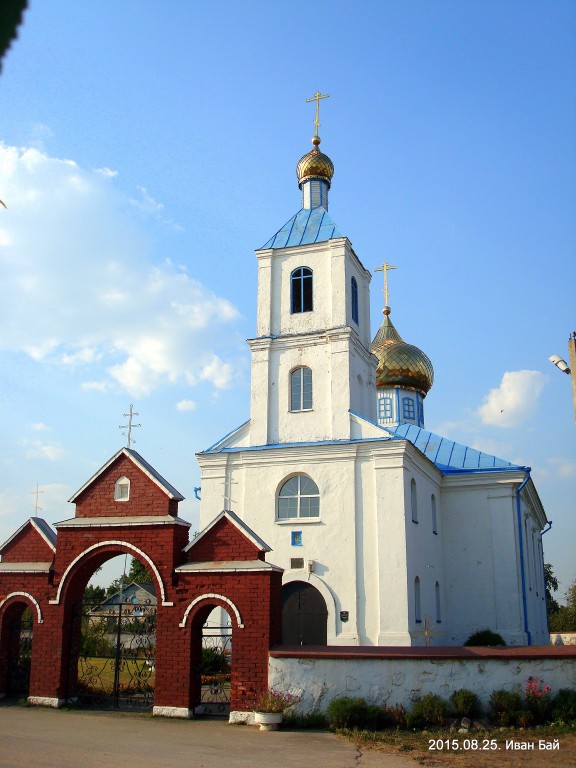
{"points": [[131, 413], [317, 96], [37, 507], [384, 268], [427, 633]]}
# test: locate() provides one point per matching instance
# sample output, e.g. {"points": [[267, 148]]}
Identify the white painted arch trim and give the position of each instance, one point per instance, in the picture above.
{"points": [[324, 589], [212, 595], [29, 597], [114, 542]]}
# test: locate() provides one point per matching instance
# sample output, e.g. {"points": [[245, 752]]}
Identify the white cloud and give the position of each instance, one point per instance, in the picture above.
{"points": [[514, 401], [218, 372], [39, 427], [40, 450], [81, 290], [186, 405], [563, 467]]}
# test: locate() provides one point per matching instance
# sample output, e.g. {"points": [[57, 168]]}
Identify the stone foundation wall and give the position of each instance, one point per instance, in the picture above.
{"points": [[400, 675]]}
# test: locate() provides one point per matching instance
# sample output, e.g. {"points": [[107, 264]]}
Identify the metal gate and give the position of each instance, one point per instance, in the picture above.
{"points": [[114, 666], [215, 671], [20, 656]]}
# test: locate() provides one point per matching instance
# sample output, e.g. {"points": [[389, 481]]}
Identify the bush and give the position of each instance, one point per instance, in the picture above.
{"points": [[485, 637], [314, 719], [564, 705], [466, 703], [347, 712], [429, 710], [396, 715], [506, 706], [538, 700], [214, 660]]}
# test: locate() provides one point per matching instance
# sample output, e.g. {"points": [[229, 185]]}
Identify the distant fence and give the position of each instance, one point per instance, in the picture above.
{"points": [[563, 638], [400, 675]]}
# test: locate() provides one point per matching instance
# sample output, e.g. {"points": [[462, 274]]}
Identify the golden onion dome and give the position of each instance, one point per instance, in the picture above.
{"points": [[400, 365], [315, 165]]}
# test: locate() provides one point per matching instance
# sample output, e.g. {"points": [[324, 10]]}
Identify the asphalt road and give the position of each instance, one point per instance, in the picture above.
{"points": [[35, 737]]}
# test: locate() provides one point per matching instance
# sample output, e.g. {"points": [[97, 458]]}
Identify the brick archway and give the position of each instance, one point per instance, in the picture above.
{"points": [[224, 566]]}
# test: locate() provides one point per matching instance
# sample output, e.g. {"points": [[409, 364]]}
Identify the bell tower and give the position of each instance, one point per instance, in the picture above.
{"points": [[311, 358]]}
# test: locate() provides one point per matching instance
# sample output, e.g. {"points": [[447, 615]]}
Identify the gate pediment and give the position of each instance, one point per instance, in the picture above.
{"points": [[227, 538]]}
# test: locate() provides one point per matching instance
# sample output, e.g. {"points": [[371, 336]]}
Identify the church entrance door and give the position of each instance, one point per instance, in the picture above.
{"points": [[304, 615]]}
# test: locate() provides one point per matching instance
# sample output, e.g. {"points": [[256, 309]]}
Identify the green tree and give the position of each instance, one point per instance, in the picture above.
{"points": [[551, 586], [564, 619], [93, 594], [137, 572]]}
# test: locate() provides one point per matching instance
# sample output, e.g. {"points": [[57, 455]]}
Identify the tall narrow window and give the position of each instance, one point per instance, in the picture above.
{"points": [[414, 501], [384, 407], [298, 497], [302, 292], [354, 300], [408, 411], [434, 520], [417, 606], [438, 606], [301, 389]]}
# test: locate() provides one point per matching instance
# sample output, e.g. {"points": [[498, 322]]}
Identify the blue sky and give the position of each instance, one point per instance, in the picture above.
{"points": [[148, 148]]}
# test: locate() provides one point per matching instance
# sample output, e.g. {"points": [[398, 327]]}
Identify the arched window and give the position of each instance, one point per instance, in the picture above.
{"points": [[122, 489], [408, 411], [298, 497], [417, 606], [413, 501], [434, 520], [354, 300], [301, 389], [301, 282], [438, 606]]}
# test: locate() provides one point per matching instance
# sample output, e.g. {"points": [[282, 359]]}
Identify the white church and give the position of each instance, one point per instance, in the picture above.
{"points": [[387, 533]]}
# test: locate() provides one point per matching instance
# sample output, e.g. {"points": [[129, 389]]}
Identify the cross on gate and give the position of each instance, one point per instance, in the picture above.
{"points": [[130, 426], [36, 506]]}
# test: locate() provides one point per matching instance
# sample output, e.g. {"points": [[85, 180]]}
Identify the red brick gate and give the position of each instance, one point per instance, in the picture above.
{"points": [[127, 507]]}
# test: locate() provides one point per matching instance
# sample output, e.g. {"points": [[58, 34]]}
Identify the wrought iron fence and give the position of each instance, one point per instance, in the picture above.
{"points": [[20, 643], [116, 665], [215, 671]]}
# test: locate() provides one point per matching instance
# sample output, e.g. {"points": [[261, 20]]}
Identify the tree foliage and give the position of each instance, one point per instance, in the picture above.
{"points": [[551, 586], [137, 572], [561, 618]]}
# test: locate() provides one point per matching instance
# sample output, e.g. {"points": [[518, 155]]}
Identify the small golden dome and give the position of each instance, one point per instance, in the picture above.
{"points": [[399, 364], [315, 165]]}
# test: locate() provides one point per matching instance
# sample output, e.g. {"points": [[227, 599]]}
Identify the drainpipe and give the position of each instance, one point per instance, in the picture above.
{"points": [[521, 547], [542, 532], [197, 492]]}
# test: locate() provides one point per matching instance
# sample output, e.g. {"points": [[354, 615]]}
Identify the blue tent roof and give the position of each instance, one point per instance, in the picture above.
{"points": [[447, 455], [309, 225]]}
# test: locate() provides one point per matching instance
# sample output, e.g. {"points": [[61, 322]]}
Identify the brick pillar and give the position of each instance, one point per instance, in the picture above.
{"points": [[172, 690]]}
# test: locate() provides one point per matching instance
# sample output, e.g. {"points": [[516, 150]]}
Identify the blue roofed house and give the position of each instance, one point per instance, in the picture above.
{"points": [[384, 530]]}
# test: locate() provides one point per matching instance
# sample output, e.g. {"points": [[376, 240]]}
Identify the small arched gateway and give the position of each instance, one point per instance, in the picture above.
{"points": [[127, 507]]}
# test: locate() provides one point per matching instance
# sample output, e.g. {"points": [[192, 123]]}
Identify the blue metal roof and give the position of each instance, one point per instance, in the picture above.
{"points": [[450, 457], [447, 455], [309, 225]]}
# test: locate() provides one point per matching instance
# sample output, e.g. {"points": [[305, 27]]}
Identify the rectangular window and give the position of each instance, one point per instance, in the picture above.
{"points": [[385, 408], [408, 411], [301, 389]]}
